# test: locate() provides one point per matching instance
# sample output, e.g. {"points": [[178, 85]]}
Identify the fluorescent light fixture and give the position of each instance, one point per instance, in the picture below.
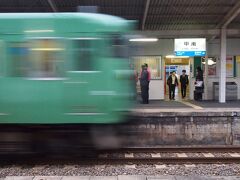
{"points": [[172, 56], [47, 49], [87, 38], [144, 40], [39, 31]]}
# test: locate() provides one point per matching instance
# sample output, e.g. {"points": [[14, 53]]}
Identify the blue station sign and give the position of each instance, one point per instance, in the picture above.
{"points": [[190, 53]]}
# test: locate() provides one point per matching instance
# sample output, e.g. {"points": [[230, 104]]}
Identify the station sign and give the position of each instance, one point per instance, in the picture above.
{"points": [[176, 60], [190, 47]]}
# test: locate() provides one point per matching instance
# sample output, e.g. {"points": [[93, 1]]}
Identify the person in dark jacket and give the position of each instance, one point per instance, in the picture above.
{"points": [[149, 76], [144, 84], [199, 84], [172, 82], [184, 82]]}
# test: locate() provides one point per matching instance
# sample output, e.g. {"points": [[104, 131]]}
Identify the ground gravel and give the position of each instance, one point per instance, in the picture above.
{"points": [[110, 170]]}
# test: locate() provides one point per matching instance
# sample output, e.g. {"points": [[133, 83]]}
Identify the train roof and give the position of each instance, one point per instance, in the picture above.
{"points": [[61, 22]]}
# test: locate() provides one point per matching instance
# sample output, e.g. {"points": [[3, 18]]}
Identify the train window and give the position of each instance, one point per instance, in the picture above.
{"points": [[84, 54], [119, 47], [46, 58], [36, 58], [18, 59], [2, 58]]}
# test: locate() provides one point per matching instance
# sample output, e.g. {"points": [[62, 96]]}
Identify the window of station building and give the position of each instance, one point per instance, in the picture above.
{"points": [[213, 66], [154, 65], [84, 54]]}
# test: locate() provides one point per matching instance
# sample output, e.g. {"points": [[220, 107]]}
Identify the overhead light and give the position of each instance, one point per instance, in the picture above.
{"points": [[172, 56], [144, 40], [210, 62], [39, 31], [87, 38], [47, 49]]}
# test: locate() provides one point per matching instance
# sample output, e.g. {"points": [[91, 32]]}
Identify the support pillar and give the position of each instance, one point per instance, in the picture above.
{"points": [[206, 74], [222, 73]]}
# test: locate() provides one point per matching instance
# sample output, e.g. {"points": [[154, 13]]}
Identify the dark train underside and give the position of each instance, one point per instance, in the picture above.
{"points": [[59, 139], [70, 138]]}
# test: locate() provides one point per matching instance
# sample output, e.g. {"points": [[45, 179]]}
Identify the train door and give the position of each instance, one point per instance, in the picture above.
{"points": [[81, 80], [31, 90]]}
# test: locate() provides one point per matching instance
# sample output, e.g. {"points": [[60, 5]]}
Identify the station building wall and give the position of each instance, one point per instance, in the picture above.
{"points": [[165, 47], [161, 48]]}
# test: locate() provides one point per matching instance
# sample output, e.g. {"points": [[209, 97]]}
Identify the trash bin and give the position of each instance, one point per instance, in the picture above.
{"points": [[231, 91]]}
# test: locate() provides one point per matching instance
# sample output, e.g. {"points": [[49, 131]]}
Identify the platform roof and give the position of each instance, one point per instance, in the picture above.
{"points": [[152, 15]]}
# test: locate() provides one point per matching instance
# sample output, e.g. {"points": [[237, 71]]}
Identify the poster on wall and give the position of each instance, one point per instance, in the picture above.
{"points": [[238, 59], [229, 66], [154, 65]]}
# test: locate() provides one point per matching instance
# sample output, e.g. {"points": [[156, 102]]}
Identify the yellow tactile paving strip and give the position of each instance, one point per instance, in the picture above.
{"points": [[191, 105]]}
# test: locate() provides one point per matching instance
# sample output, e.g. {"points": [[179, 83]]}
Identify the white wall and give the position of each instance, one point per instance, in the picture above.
{"points": [[162, 47], [156, 89], [233, 49]]}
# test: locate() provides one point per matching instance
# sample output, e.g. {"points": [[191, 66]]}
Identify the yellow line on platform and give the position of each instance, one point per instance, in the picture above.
{"points": [[191, 105]]}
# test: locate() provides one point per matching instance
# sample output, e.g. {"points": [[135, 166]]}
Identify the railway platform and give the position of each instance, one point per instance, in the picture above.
{"points": [[188, 122], [121, 177], [182, 104]]}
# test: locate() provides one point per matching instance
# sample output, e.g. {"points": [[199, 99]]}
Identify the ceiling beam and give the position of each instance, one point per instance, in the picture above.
{"points": [[145, 13], [187, 33], [52, 5], [230, 16]]}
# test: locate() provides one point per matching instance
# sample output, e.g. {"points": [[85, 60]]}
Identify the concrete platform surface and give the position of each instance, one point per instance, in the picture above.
{"points": [[187, 104], [122, 177]]}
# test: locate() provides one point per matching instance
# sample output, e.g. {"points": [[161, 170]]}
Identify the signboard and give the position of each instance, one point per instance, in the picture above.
{"points": [[176, 60], [190, 47]]}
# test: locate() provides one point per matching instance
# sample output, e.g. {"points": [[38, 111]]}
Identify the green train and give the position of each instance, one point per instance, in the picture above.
{"points": [[63, 68]]}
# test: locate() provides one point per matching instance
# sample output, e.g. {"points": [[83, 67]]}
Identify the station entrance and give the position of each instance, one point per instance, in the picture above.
{"points": [[176, 65]]}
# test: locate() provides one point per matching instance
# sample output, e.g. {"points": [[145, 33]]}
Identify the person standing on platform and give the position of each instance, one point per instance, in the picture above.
{"points": [[184, 82], [149, 76], [172, 82], [199, 85], [144, 84]]}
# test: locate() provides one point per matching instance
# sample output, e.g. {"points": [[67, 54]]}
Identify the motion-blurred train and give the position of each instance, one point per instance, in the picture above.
{"points": [[59, 71]]}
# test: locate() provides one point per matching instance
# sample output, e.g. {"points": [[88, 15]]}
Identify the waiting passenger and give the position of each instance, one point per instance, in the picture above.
{"points": [[172, 82], [199, 85], [184, 82], [149, 76], [144, 85]]}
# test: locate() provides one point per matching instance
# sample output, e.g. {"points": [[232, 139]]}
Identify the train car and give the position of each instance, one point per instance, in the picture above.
{"points": [[63, 68]]}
